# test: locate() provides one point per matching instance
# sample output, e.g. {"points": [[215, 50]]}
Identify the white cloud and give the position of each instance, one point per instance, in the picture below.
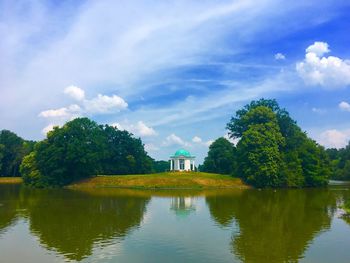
{"points": [[64, 112], [143, 130], [329, 72], [173, 139], [344, 106], [318, 48], [101, 104], [208, 143], [150, 147], [105, 104], [75, 92], [318, 110], [334, 138], [196, 139], [47, 129], [140, 128], [280, 56], [61, 112]]}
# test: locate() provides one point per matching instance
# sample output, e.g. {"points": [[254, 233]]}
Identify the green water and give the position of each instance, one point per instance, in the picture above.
{"points": [[115, 225]]}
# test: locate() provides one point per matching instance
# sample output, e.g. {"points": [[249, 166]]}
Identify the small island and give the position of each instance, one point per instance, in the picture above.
{"points": [[167, 180]]}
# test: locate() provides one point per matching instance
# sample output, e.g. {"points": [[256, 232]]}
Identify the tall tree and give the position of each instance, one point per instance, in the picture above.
{"points": [[12, 151], [238, 123], [2, 148], [302, 161], [221, 157], [71, 152], [80, 149], [123, 153], [340, 162], [259, 157], [161, 166]]}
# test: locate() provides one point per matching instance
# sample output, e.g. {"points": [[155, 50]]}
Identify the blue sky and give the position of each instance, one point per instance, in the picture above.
{"points": [[174, 72]]}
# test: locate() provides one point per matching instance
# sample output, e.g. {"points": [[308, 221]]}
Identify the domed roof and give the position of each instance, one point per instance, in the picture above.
{"points": [[182, 152]]}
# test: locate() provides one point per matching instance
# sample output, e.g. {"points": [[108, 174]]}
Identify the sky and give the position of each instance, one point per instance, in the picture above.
{"points": [[174, 72]]}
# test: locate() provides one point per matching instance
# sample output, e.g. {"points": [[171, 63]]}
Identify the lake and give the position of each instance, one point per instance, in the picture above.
{"points": [[120, 225]]}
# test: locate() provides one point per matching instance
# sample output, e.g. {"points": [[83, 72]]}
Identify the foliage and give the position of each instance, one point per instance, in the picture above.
{"points": [[239, 123], [258, 149], [30, 172], [2, 149], [273, 151], [221, 157], [81, 149], [70, 153], [340, 163], [12, 150], [161, 166], [124, 154]]}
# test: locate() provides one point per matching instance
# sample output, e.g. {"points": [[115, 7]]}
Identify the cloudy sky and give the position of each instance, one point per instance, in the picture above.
{"points": [[173, 72]]}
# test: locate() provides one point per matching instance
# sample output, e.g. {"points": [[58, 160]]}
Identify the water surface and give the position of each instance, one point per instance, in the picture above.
{"points": [[118, 225]]}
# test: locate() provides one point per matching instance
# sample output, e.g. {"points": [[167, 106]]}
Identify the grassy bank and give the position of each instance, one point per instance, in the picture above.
{"points": [[11, 180], [179, 180]]}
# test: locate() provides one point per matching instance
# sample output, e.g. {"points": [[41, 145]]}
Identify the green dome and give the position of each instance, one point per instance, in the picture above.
{"points": [[182, 152]]}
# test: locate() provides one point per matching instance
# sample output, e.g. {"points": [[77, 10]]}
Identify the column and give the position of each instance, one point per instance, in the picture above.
{"points": [[171, 164], [193, 166]]}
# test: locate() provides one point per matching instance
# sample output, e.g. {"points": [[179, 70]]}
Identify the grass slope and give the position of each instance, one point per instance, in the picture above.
{"points": [[181, 180], [11, 180]]}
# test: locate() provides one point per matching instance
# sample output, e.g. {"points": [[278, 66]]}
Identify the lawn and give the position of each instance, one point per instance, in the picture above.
{"points": [[170, 180], [11, 180]]}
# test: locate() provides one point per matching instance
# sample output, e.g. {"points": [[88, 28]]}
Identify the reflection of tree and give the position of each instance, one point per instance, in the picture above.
{"points": [[346, 206], [275, 226], [71, 222], [222, 207], [8, 205]]}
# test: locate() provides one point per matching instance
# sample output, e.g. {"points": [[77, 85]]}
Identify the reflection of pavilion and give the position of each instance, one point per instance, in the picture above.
{"points": [[183, 206]]}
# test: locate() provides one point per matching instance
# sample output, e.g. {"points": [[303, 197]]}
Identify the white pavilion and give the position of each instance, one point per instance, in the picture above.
{"points": [[182, 161]]}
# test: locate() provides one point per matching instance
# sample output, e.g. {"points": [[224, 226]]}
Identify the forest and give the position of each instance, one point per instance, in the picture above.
{"points": [[272, 150]]}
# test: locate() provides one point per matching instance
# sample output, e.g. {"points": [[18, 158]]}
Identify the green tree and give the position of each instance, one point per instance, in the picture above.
{"points": [[70, 153], [2, 149], [12, 151], [124, 154], [302, 161], [161, 166], [80, 149], [30, 172], [238, 123], [258, 152], [221, 157], [340, 163]]}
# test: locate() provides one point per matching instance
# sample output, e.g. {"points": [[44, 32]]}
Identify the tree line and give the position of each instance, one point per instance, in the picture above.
{"points": [[340, 163], [12, 150], [79, 149], [272, 150]]}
